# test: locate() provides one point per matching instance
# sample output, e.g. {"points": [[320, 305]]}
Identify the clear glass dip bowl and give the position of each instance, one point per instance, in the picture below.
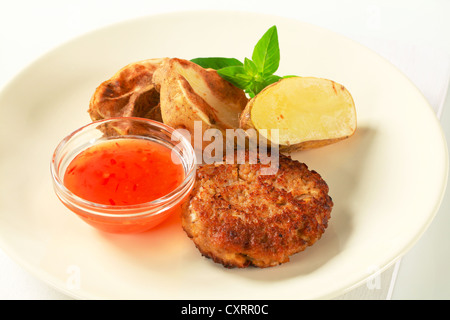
{"points": [[124, 218]]}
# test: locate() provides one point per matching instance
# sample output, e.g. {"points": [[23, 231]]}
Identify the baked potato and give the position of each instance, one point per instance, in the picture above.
{"points": [[130, 92], [191, 94], [306, 112]]}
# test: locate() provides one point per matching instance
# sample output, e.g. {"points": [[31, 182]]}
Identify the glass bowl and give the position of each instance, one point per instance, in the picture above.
{"points": [[124, 218]]}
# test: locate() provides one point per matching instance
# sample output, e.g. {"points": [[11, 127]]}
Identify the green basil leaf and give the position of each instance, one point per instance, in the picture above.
{"points": [[257, 86], [271, 79], [266, 54], [236, 75], [250, 67], [254, 74], [216, 63], [250, 93]]}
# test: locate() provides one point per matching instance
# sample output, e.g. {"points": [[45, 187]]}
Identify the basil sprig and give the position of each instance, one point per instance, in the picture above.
{"points": [[253, 74]]}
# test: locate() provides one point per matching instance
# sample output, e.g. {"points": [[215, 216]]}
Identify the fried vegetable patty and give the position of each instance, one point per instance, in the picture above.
{"points": [[239, 217]]}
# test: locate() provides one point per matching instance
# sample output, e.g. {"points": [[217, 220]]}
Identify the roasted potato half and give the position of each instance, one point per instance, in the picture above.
{"points": [[307, 112], [190, 93], [130, 92]]}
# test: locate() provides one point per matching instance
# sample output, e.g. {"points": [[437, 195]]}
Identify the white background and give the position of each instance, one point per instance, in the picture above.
{"points": [[29, 29]]}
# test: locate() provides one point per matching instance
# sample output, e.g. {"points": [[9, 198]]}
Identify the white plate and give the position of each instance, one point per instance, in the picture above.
{"points": [[386, 181]]}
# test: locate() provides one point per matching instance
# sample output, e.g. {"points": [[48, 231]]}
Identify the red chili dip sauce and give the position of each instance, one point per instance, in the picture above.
{"points": [[124, 172]]}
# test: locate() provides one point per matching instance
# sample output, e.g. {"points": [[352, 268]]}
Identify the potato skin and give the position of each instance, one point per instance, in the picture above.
{"points": [[174, 91], [129, 93], [184, 88], [245, 122]]}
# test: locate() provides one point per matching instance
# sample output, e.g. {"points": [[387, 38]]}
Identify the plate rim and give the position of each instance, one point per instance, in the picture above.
{"points": [[45, 277]]}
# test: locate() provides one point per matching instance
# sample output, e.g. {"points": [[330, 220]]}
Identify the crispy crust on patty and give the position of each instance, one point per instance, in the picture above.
{"points": [[239, 217]]}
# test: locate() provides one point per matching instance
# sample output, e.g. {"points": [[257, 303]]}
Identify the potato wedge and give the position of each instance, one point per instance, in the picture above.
{"points": [[308, 113], [129, 93], [190, 93]]}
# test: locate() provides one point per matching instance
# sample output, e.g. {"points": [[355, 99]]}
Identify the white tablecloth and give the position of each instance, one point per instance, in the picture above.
{"points": [[413, 35]]}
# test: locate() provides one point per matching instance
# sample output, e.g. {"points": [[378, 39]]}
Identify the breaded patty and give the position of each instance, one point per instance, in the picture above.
{"points": [[239, 217]]}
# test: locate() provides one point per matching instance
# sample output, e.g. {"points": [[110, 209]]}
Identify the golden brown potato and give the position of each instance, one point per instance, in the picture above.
{"points": [[190, 93], [306, 112], [129, 93]]}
